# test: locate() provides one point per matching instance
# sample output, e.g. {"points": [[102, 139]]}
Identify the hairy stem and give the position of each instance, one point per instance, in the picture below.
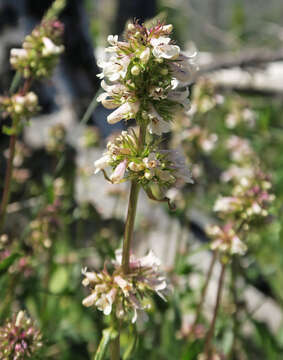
{"points": [[204, 290], [209, 336], [129, 227], [132, 207]]}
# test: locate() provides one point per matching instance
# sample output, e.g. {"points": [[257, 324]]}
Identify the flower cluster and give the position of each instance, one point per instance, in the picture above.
{"points": [[45, 226], [56, 142], [40, 51], [151, 165], [145, 77], [205, 97], [240, 150], [240, 114], [126, 294], [19, 338], [225, 240], [250, 198], [19, 106]]}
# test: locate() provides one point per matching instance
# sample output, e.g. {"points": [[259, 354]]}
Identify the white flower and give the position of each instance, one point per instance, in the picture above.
{"points": [[184, 69], [180, 97], [125, 111], [112, 39], [107, 103], [226, 204], [157, 125], [50, 48], [102, 163], [150, 260], [151, 161], [119, 172], [89, 300], [145, 55], [115, 68], [178, 163], [237, 246], [162, 48], [18, 54]]}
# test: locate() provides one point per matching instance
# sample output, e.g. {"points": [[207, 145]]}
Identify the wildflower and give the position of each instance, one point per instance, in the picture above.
{"points": [[19, 106], [141, 77], [19, 338], [250, 198], [163, 49], [126, 111], [225, 240], [125, 292], [119, 172], [163, 167], [240, 149], [40, 51]]}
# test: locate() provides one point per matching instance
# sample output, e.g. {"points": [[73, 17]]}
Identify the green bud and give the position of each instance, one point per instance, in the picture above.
{"points": [[135, 70]]}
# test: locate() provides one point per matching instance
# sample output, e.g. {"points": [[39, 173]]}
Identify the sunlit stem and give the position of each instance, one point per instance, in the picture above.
{"points": [[204, 291], [210, 332], [132, 207]]}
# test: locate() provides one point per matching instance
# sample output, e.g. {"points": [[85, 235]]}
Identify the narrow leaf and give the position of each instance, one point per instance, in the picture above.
{"points": [[6, 263], [107, 335]]}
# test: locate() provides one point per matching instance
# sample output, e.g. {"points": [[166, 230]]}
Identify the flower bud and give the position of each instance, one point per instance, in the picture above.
{"points": [[164, 71], [131, 27], [145, 55], [135, 70]]}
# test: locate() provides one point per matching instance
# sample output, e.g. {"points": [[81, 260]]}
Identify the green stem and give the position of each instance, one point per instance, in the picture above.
{"points": [[234, 291], [210, 333], [9, 171], [132, 208], [129, 227], [115, 347]]}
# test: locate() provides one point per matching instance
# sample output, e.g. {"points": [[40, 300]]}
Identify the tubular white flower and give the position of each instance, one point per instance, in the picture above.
{"points": [[50, 48], [119, 172], [157, 125], [162, 48], [112, 39], [101, 163], [89, 300], [145, 55], [184, 69], [125, 111]]}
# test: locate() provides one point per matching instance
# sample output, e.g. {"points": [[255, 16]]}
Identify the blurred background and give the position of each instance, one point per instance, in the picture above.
{"points": [[238, 92]]}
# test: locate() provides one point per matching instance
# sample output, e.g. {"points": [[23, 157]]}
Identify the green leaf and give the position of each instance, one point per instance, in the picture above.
{"points": [[59, 280], [131, 347], [9, 130], [192, 350], [15, 82], [107, 335], [6, 263]]}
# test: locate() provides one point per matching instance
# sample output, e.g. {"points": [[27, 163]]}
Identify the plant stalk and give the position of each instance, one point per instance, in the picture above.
{"points": [[115, 349], [9, 171], [7, 182], [204, 290], [209, 336], [132, 208]]}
